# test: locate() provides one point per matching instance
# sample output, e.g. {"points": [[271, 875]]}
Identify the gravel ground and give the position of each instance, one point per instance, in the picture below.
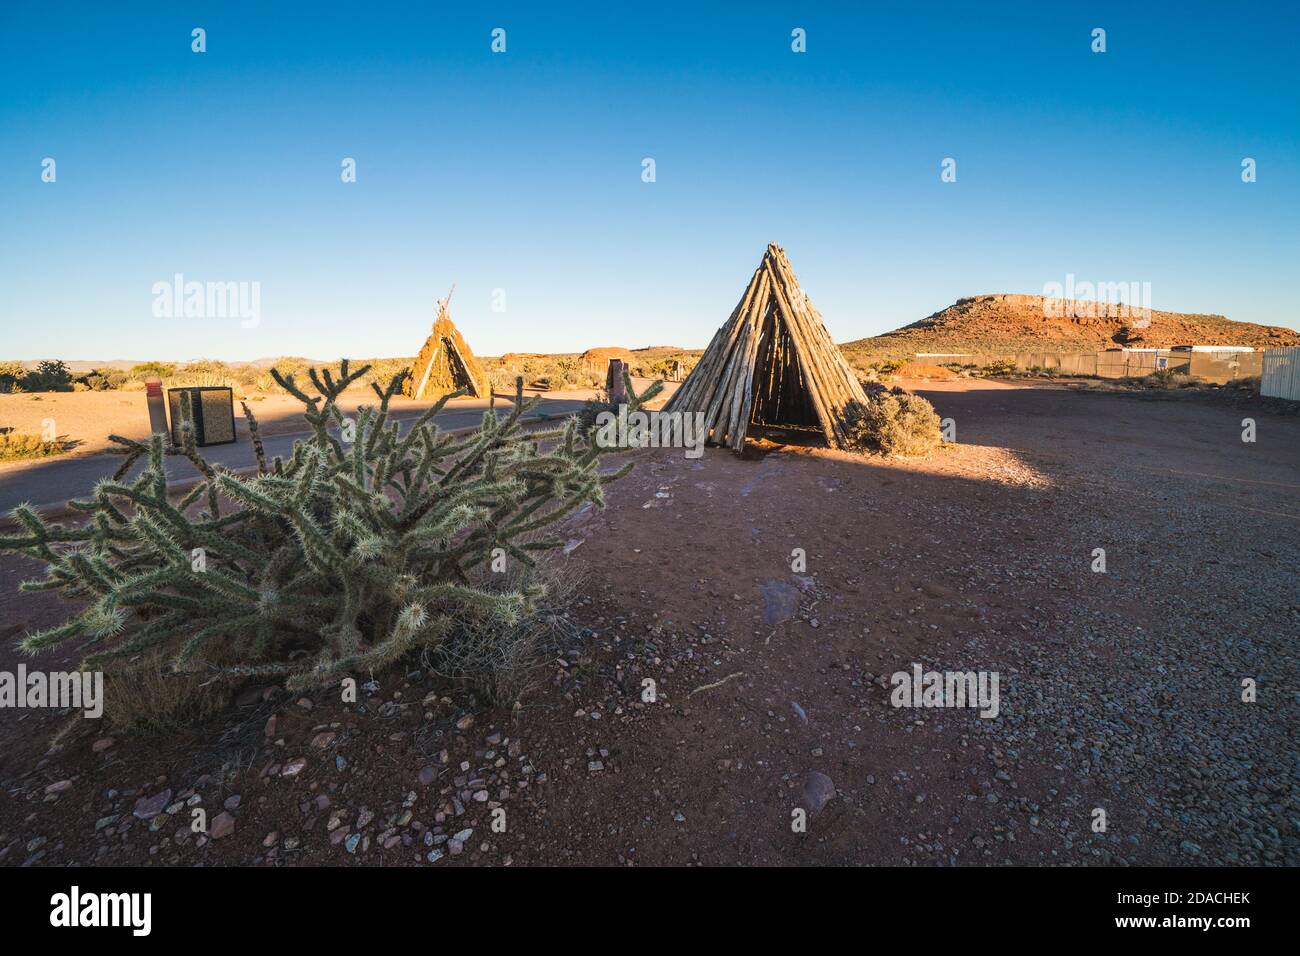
{"points": [[1120, 692]]}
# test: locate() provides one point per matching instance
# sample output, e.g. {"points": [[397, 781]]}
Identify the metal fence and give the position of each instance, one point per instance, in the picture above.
{"points": [[1281, 374]]}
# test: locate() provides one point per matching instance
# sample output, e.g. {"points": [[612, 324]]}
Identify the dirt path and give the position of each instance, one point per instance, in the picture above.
{"points": [[1119, 691]]}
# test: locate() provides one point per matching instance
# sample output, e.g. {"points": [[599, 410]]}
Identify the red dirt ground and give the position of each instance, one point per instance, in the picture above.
{"points": [[1119, 690]]}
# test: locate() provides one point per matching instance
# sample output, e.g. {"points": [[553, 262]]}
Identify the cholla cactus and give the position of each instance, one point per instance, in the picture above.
{"points": [[339, 560]]}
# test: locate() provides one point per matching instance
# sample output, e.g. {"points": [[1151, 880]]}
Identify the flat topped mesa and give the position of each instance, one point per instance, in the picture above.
{"points": [[771, 364], [445, 363]]}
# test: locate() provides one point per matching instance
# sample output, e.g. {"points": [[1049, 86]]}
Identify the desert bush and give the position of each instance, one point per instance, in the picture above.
{"points": [[1166, 378], [48, 376], [102, 380], [11, 377], [500, 378], [16, 446], [139, 373], [337, 561], [205, 373], [998, 369], [567, 372], [893, 423]]}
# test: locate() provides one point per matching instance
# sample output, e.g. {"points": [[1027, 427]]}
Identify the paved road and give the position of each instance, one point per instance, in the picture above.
{"points": [[50, 483]]}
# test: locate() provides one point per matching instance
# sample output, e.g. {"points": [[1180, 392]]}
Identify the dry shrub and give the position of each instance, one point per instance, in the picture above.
{"points": [[1167, 378], [501, 661], [16, 446], [893, 423], [145, 696]]}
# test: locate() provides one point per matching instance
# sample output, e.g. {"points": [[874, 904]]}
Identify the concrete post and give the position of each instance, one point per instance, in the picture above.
{"points": [[157, 405]]}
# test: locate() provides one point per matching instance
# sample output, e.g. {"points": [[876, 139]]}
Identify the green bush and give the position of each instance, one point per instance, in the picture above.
{"points": [[335, 562], [48, 376], [893, 423]]}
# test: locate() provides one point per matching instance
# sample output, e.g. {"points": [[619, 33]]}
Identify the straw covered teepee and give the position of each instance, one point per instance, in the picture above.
{"points": [[772, 363], [445, 364]]}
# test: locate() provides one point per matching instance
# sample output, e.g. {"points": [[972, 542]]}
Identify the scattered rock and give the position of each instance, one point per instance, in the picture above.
{"points": [[222, 826], [818, 790], [147, 809]]}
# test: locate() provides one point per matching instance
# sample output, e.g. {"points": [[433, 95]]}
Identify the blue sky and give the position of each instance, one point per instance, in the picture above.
{"points": [[522, 171]]}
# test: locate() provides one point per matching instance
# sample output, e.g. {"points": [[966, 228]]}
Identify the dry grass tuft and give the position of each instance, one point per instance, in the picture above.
{"points": [[145, 697]]}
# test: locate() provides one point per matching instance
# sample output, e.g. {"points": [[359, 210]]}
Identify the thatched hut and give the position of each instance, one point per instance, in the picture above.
{"points": [[445, 363]]}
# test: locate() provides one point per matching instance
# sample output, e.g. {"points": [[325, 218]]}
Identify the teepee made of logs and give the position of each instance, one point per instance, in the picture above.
{"points": [[772, 364], [445, 364]]}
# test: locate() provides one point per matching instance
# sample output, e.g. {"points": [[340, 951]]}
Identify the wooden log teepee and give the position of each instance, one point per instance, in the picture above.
{"points": [[445, 363], [771, 363]]}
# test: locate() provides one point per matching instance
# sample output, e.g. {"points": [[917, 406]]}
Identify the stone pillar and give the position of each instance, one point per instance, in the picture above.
{"points": [[615, 387]]}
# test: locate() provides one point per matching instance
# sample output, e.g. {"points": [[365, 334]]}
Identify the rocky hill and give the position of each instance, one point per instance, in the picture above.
{"points": [[1034, 323]]}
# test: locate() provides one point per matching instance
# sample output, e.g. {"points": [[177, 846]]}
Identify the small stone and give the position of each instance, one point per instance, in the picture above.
{"points": [[427, 776], [465, 723], [323, 740], [818, 790], [62, 786], [147, 809], [222, 826], [232, 802], [271, 839], [351, 842], [102, 744], [293, 767]]}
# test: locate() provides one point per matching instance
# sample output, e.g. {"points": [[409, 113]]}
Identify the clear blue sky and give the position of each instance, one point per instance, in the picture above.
{"points": [[522, 171]]}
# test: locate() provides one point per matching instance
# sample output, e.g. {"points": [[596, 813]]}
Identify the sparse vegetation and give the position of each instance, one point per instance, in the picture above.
{"points": [[48, 376], [15, 446], [338, 561], [500, 662], [895, 423]]}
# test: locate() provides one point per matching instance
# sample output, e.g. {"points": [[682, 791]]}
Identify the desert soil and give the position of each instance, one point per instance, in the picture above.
{"points": [[84, 420], [1119, 691]]}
